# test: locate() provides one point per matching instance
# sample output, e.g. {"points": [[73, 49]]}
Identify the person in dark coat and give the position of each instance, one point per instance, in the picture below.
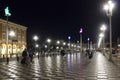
{"points": [[62, 52], [31, 53], [24, 57], [90, 54]]}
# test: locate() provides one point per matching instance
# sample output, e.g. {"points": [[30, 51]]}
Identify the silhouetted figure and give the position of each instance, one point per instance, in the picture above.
{"points": [[87, 53], [24, 57], [31, 53], [7, 59], [62, 52], [90, 54], [17, 57]]}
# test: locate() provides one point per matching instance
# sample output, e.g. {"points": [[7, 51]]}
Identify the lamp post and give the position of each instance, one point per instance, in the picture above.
{"points": [[101, 37], [12, 34], [35, 39], [109, 7], [103, 28], [7, 14], [48, 41], [58, 44], [69, 42], [88, 42], [81, 30]]}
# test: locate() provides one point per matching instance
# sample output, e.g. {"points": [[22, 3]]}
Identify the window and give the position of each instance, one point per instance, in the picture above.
{"points": [[3, 28], [3, 36]]}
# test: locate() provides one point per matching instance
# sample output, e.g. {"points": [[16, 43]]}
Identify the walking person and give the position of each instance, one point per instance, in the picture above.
{"points": [[24, 57], [90, 54], [62, 52], [31, 53]]}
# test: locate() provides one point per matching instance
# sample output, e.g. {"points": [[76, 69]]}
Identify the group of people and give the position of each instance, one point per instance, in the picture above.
{"points": [[89, 54], [27, 56]]}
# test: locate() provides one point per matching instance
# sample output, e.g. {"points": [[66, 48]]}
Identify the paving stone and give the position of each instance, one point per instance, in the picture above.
{"points": [[71, 67]]}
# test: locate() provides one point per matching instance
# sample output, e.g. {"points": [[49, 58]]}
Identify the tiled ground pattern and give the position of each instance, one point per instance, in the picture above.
{"points": [[71, 67]]}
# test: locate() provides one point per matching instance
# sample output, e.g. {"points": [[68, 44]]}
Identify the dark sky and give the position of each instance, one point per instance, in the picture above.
{"points": [[61, 18]]}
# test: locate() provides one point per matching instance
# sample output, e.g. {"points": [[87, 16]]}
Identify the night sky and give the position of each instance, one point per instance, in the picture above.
{"points": [[60, 18]]}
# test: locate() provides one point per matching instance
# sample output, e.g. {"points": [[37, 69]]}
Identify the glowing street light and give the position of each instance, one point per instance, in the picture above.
{"points": [[88, 42], [101, 35], [36, 45], [100, 39], [12, 33], [35, 38], [103, 28], [69, 41], [81, 30], [49, 40], [109, 8], [46, 46], [64, 43], [58, 42]]}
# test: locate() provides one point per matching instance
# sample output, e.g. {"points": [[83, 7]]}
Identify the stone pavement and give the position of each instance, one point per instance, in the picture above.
{"points": [[115, 58], [71, 67]]}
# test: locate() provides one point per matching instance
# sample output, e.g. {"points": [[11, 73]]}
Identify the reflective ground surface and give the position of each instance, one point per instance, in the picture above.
{"points": [[73, 66]]}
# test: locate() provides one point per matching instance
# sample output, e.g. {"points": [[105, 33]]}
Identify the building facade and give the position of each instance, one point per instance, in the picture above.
{"points": [[16, 43]]}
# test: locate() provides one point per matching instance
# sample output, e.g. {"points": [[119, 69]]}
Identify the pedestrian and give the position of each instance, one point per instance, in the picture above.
{"points": [[87, 53], [31, 53], [17, 57], [39, 55], [24, 57], [62, 52], [90, 54]]}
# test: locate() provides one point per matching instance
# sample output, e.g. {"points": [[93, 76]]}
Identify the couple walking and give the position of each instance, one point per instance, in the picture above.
{"points": [[27, 56]]}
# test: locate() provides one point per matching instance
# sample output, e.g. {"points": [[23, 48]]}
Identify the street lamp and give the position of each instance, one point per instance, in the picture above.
{"points": [[109, 7], [7, 14], [69, 41], [81, 30], [58, 42], [35, 38], [36, 45], [100, 39], [12, 34], [88, 42], [48, 41], [103, 28]]}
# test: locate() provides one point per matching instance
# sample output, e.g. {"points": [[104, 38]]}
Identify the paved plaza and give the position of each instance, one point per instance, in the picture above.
{"points": [[71, 67]]}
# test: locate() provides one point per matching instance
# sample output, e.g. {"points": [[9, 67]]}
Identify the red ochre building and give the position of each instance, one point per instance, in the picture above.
{"points": [[17, 43]]}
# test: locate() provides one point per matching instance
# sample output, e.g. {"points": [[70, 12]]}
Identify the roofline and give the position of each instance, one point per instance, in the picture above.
{"points": [[12, 23]]}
